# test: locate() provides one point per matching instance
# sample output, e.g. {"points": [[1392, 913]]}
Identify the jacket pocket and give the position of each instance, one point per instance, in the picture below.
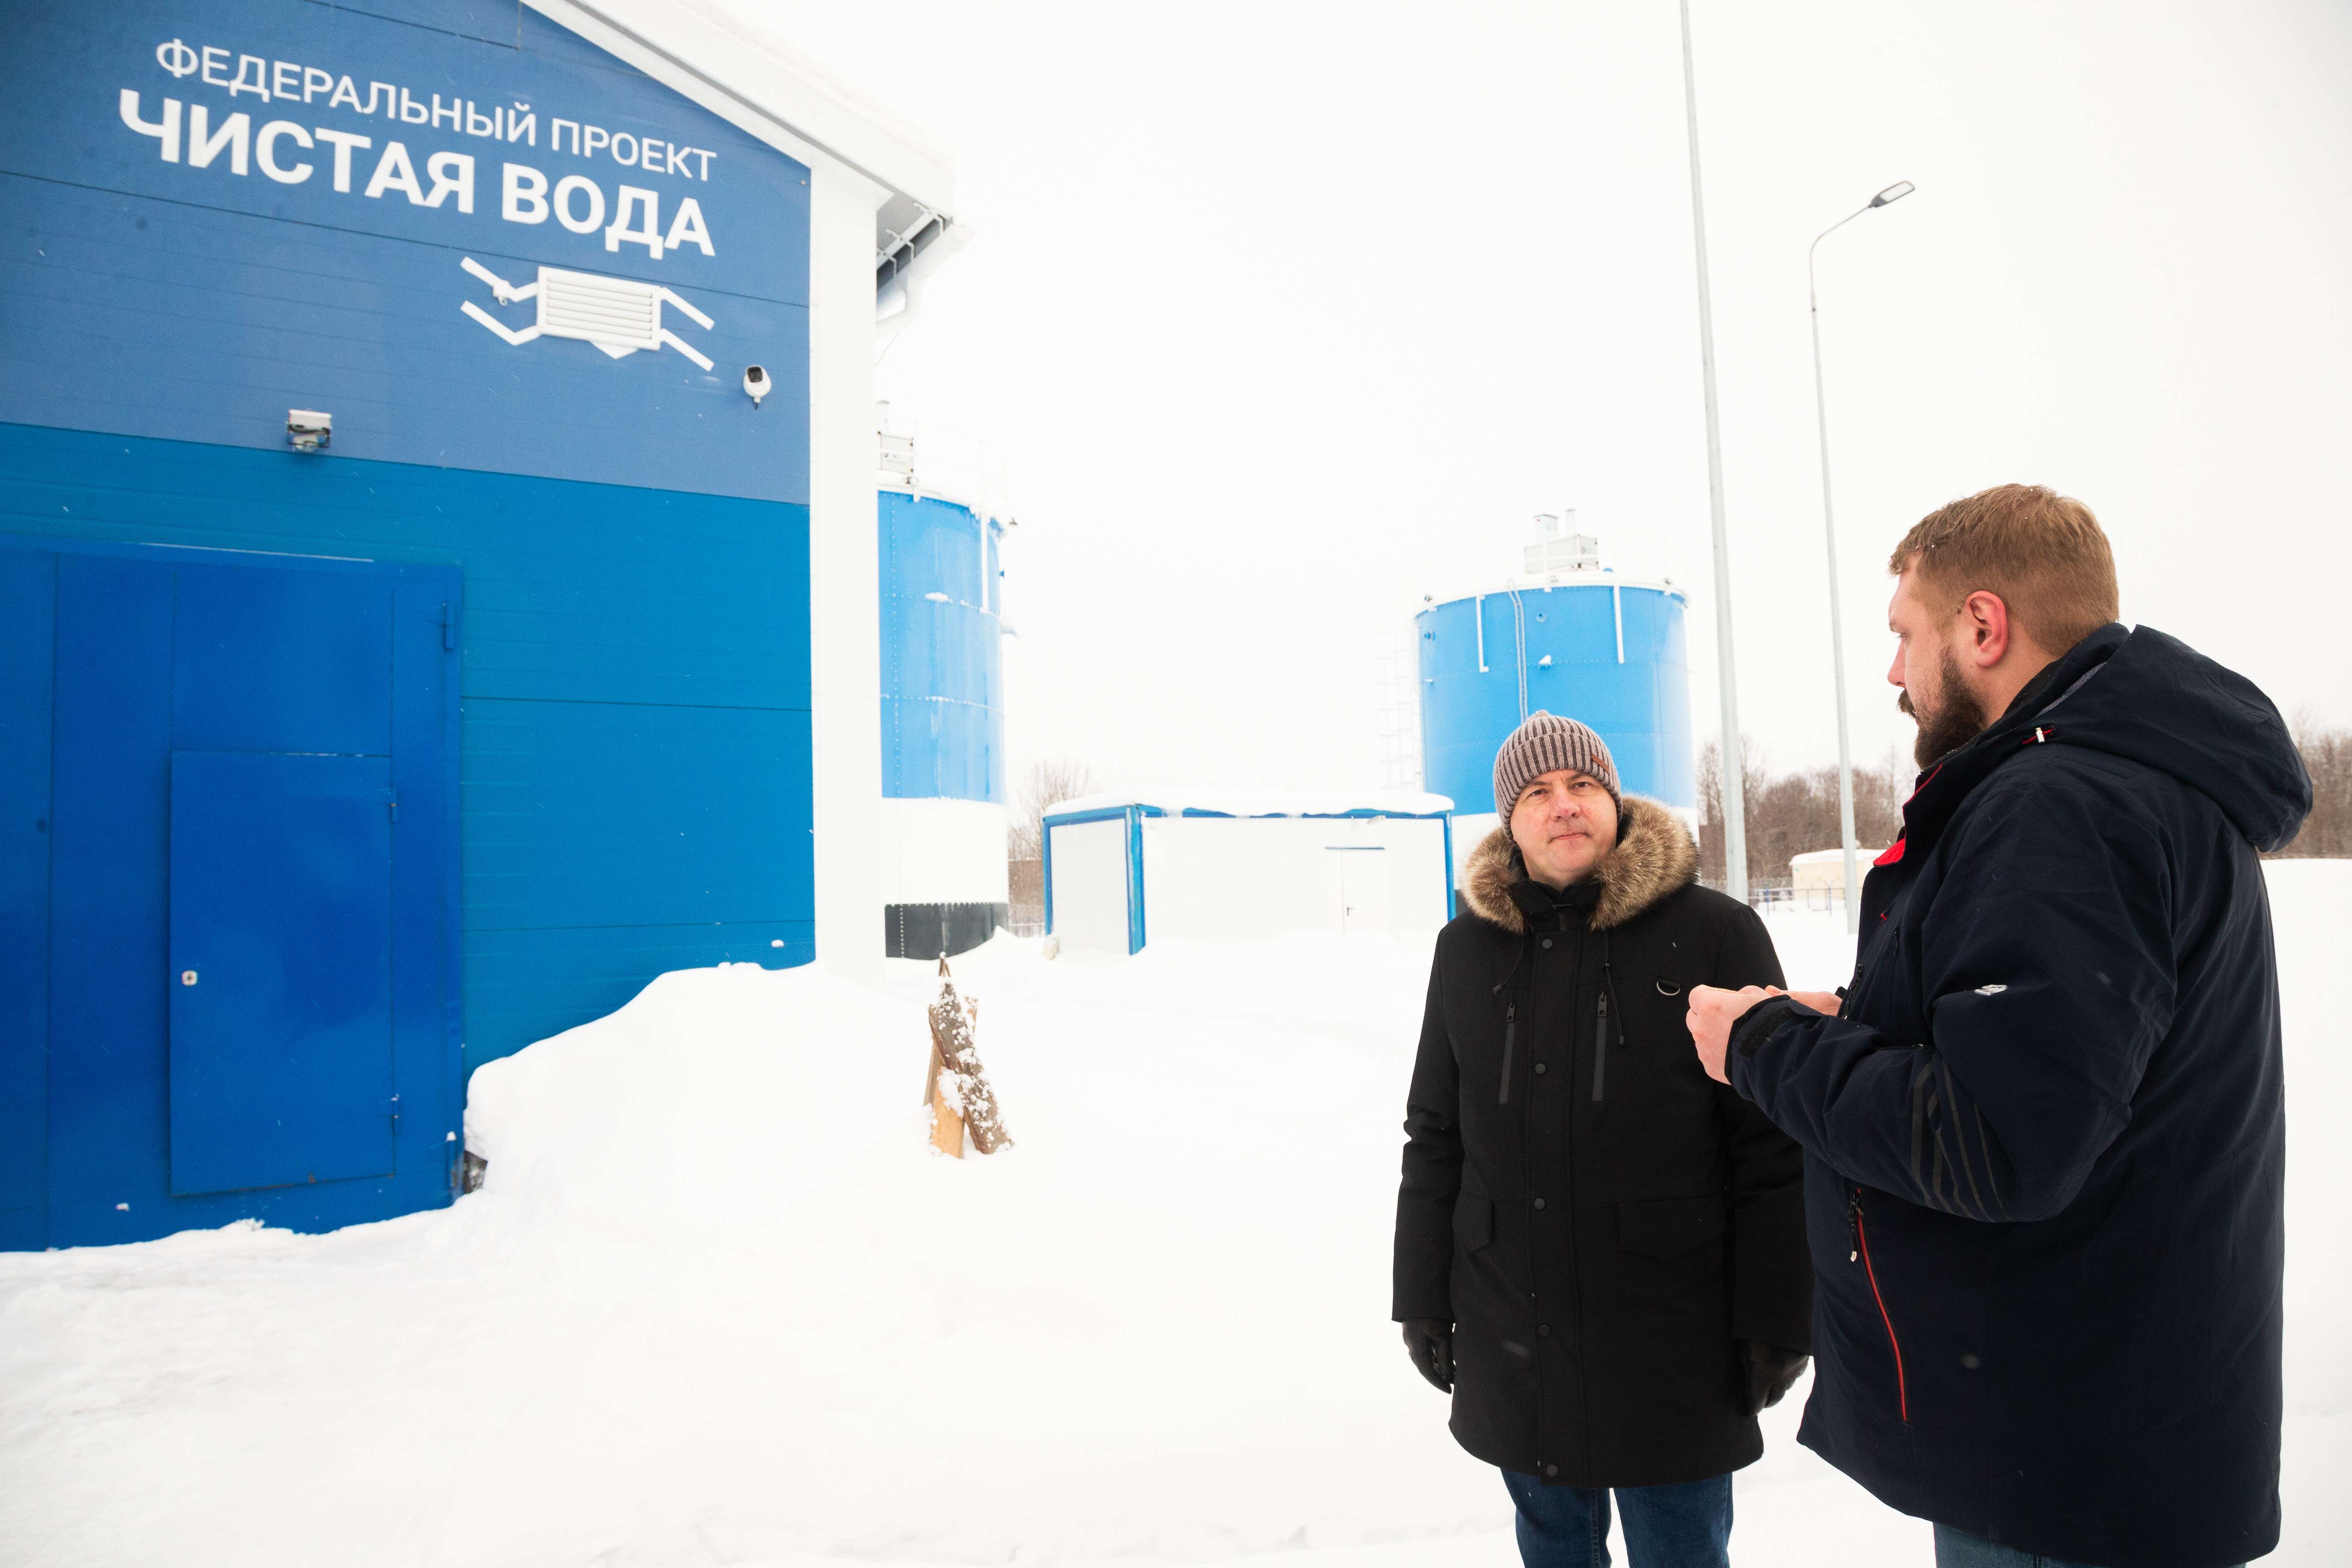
{"points": [[1474, 1221], [1664, 1227]]}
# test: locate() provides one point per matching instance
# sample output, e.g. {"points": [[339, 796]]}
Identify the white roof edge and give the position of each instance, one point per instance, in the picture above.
{"points": [[1582, 580], [757, 83], [889, 484]]}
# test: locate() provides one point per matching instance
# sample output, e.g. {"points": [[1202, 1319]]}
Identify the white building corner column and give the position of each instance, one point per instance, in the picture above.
{"points": [[845, 590]]}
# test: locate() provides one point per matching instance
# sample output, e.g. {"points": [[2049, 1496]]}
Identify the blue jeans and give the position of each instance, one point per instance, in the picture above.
{"points": [[1685, 1525], [1958, 1549]]}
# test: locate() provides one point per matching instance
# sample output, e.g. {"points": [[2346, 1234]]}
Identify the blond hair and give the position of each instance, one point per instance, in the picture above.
{"points": [[2044, 554]]}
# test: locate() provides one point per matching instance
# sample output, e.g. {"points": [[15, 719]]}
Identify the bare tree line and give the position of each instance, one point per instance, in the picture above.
{"points": [[2327, 757], [1791, 814], [1796, 813], [1048, 781]]}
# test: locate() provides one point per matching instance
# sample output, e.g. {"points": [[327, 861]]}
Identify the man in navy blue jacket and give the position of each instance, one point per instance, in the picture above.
{"points": [[2044, 1126]]}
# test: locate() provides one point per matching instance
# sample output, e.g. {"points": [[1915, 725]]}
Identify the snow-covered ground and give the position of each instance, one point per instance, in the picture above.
{"points": [[719, 1305]]}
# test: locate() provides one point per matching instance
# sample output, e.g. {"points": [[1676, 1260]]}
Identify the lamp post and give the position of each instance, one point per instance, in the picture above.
{"points": [[1893, 192], [1733, 792]]}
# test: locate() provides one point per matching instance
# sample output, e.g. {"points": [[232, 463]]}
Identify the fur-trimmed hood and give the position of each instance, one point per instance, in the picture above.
{"points": [[1654, 856]]}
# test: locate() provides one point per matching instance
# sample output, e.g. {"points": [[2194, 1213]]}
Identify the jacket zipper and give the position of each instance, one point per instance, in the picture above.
{"points": [[1600, 1048], [1510, 1028], [1861, 1251]]}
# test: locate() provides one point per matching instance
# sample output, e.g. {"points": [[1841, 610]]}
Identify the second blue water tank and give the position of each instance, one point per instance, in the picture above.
{"points": [[942, 663], [1610, 653]]}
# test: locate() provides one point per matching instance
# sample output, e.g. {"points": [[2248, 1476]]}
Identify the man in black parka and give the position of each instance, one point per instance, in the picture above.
{"points": [[2044, 1133], [1599, 1251]]}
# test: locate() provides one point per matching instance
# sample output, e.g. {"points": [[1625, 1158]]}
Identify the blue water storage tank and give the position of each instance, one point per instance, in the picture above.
{"points": [[1589, 645], [944, 875], [942, 663]]}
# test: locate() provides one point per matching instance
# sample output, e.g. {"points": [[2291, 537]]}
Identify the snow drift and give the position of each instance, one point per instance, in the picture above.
{"points": [[719, 1303], [715, 1099]]}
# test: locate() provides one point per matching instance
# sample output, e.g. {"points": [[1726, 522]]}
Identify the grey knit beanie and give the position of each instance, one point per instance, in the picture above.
{"points": [[1545, 742]]}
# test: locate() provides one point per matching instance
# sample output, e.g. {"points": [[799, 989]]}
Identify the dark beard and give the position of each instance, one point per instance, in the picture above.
{"points": [[1961, 720]]}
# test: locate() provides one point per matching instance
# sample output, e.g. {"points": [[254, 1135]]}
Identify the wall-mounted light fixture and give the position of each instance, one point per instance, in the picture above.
{"points": [[308, 430]]}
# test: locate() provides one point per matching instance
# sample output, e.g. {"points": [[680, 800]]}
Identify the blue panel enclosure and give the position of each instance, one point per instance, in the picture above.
{"points": [[1610, 655], [280, 969], [942, 653]]}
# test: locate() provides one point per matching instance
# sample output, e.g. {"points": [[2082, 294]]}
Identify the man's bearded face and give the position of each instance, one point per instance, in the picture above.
{"points": [[1947, 712]]}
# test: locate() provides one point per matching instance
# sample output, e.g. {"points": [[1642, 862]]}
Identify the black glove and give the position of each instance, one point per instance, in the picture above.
{"points": [[1430, 1342], [1771, 1373]]}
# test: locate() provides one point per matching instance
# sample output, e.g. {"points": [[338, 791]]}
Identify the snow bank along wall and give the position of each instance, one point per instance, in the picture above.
{"points": [[942, 725], [1565, 636], [327, 774], [1120, 873]]}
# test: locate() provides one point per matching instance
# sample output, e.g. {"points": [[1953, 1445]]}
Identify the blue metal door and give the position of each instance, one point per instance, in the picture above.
{"points": [[280, 969], [239, 770]]}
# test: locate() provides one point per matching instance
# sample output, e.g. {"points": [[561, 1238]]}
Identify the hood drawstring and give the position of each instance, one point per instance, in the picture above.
{"points": [[1608, 983], [1520, 957]]}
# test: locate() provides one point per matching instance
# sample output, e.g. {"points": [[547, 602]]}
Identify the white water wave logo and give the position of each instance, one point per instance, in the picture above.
{"points": [[619, 315]]}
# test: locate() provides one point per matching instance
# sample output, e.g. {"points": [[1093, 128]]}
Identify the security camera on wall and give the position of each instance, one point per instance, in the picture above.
{"points": [[757, 384]]}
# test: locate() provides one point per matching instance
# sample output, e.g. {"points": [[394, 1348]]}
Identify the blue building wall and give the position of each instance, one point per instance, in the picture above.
{"points": [[942, 652], [143, 295], [1641, 706], [631, 532]]}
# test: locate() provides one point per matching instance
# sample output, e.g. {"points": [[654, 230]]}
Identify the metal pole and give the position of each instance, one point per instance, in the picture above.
{"points": [[1893, 192], [1838, 622], [1837, 619], [1732, 775]]}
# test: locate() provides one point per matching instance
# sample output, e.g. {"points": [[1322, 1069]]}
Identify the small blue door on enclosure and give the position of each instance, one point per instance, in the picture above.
{"points": [[281, 947], [229, 797]]}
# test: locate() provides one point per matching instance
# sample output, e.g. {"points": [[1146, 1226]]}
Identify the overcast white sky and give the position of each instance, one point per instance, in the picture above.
{"points": [[1284, 314]]}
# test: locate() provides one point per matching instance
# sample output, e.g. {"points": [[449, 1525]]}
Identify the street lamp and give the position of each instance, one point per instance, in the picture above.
{"points": [[1893, 192]]}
